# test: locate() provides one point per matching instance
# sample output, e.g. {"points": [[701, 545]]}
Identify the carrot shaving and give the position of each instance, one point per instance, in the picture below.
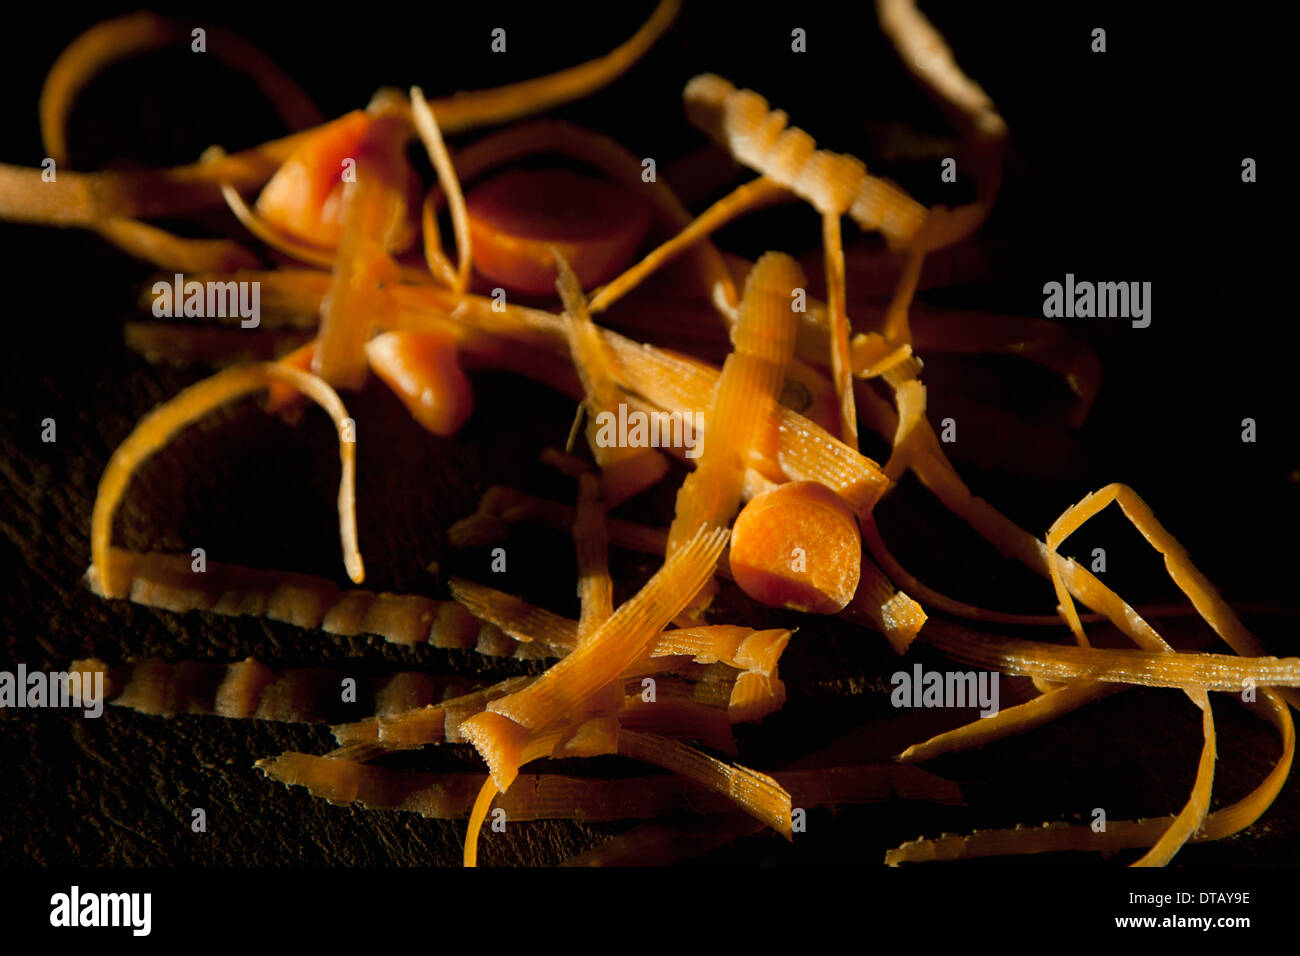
{"points": [[598, 660], [754, 696], [167, 251], [626, 471], [156, 428], [930, 60], [911, 412], [896, 572], [895, 328], [832, 182], [1018, 719], [251, 220], [870, 355], [427, 126], [1220, 672], [487, 107], [595, 589], [127, 36], [841, 365], [891, 612], [756, 793], [1118, 835], [747, 198], [515, 616], [750, 378]]}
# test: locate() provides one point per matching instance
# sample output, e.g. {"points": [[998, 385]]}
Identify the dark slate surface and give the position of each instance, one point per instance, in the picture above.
{"points": [[1095, 186]]}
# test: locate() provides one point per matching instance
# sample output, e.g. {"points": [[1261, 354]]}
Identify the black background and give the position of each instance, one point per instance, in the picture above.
{"points": [[1123, 166]]}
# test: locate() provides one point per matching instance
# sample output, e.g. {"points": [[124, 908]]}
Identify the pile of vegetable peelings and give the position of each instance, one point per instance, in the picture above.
{"points": [[777, 500]]}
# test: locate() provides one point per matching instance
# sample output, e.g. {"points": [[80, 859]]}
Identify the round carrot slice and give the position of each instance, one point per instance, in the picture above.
{"points": [[797, 546], [422, 370], [516, 216]]}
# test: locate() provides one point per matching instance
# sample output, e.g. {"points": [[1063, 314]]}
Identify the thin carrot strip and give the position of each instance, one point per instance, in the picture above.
{"points": [[427, 126], [552, 796], [896, 572], [895, 328], [754, 696], [832, 182], [750, 378], [1058, 662], [250, 689], [1030, 715], [592, 738], [167, 251], [85, 199], [486, 107], [930, 60], [482, 804], [123, 37], [880, 606], [595, 588], [156, 428], [1118, 835], [910, 396], [516, 617], [756, 793], [435, 723], [625, 471], [746, 198], [280, 241], [837, 316]]}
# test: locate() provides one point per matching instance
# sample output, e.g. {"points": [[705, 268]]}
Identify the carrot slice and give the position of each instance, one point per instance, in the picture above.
{"points": [[422, 370], [797, 546], [602, 153], [516, 216]]}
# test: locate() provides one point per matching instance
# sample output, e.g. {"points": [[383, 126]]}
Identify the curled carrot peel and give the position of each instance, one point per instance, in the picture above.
{"points": [[427, 126], [156, 428], [625, 470], [127, 36]]}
